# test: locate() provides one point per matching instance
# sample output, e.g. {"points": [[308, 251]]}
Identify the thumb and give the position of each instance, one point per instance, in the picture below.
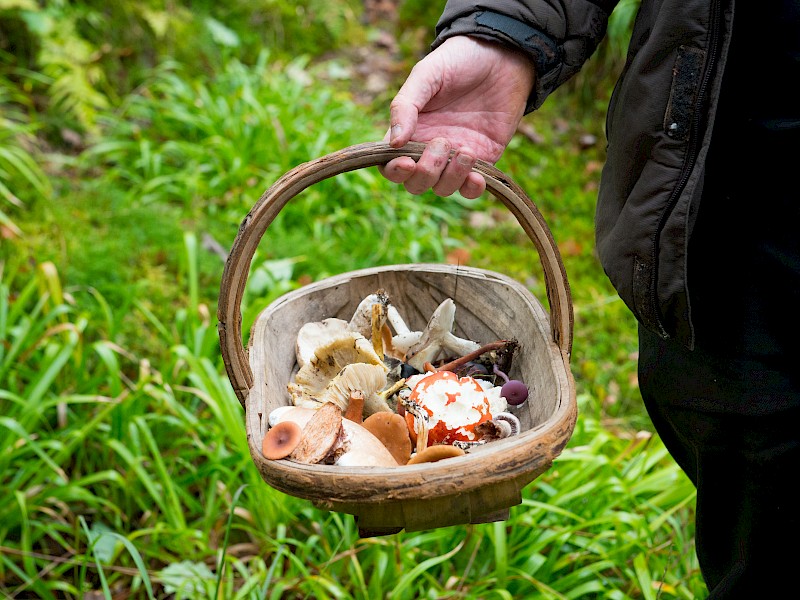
{"points": [[403, 121], [413, 96]]}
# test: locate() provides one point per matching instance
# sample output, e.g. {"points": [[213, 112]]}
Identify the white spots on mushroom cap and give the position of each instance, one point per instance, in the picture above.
{"points": [[457, 403]]}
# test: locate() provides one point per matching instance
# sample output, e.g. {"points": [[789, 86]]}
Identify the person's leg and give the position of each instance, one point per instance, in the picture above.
{"points": [[744, 463]]}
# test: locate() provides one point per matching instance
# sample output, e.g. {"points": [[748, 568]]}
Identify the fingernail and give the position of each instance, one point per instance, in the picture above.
{"points": [[465, 160], [395, 133]]}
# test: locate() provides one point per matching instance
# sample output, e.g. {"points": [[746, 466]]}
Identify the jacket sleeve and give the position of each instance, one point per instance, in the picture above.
{"points": [[558, 36]]}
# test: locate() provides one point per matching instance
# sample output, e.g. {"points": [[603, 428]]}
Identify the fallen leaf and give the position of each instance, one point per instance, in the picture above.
{"points": [[458, 256]]}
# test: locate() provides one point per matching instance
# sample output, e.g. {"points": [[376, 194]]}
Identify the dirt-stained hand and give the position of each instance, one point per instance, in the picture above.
{"points": [[465, 100]]}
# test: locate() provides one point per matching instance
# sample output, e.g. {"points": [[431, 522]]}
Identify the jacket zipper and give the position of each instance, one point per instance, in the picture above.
{"points": [[690, 160]]}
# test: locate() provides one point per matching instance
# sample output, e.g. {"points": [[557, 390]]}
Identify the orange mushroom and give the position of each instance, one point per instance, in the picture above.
{"points": [[435, 454], [392, 431], [281, 440]]}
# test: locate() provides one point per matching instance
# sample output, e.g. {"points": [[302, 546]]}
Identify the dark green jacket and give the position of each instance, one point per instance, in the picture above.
{"points": [[658, 127]]}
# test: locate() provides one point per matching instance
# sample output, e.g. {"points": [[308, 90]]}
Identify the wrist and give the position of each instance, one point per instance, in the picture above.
{"points": [[540, 50]]}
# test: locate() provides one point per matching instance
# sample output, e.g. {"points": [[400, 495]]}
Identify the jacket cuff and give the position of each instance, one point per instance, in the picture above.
{"points": [[541, 49]]}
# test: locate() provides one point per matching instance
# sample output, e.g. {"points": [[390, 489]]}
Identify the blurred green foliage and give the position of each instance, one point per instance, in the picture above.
{"points": [[88, 55]]}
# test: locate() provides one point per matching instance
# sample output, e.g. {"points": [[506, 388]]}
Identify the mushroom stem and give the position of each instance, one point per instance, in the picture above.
{"points": [[496, 370], [355, 407], [392, 390], [458, 362], [396, 320], [378, 318], [422, 434]]}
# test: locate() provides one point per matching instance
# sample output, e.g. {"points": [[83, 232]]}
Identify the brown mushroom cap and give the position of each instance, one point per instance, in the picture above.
{"points": [[435, 453], [392, 431], [281, 440]]}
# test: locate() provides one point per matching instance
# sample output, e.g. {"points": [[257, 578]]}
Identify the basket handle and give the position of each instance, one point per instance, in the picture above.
{"points": [[252, 228]]}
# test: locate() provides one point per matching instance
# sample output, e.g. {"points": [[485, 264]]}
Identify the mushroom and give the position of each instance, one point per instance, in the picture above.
{"points": [[345, 364], [343, 349], [281, 440], [438, 339], [391, 430], [435, 454], [357, 447], [509, 422], [368, 379], [449, 406], [317, 334], [321, 435], [503, 425], [361, 321], [403, 337], [513, 390]]}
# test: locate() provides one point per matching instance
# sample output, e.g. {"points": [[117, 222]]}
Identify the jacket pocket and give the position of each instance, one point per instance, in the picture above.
{"points": [[687, 73]]}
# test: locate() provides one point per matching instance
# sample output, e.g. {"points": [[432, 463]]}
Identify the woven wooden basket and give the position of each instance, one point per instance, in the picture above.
{"points": [[478, 487]]}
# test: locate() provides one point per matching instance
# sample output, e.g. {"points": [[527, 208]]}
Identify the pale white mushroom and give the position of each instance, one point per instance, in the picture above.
{"points": [[402, 342], [343, 349], [313, 387], [396, 321], [438, 340], [356, 448], [403, 337], [310, 385], [361, 321], [369, 379], [317, 334]]}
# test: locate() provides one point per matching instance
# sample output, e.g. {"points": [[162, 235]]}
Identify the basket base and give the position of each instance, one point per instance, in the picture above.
{"points": [[483, 505], [365, 530]]}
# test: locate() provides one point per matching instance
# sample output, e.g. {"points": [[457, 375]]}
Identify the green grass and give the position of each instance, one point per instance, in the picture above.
{"points": [[125, 474], [123, 458], [157, 459]]}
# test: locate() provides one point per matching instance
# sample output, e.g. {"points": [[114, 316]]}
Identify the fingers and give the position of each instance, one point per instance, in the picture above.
{"points": [[455, 174], [474, 186], [399, 170], [430, 166], [418, 89], [437, 170]]}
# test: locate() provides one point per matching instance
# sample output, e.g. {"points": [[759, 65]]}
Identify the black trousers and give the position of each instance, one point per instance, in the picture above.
{"points": [[729, 410], [745, 464]]}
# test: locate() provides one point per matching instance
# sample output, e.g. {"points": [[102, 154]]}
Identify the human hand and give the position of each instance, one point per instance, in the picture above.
{"points": [[467, 96]]}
